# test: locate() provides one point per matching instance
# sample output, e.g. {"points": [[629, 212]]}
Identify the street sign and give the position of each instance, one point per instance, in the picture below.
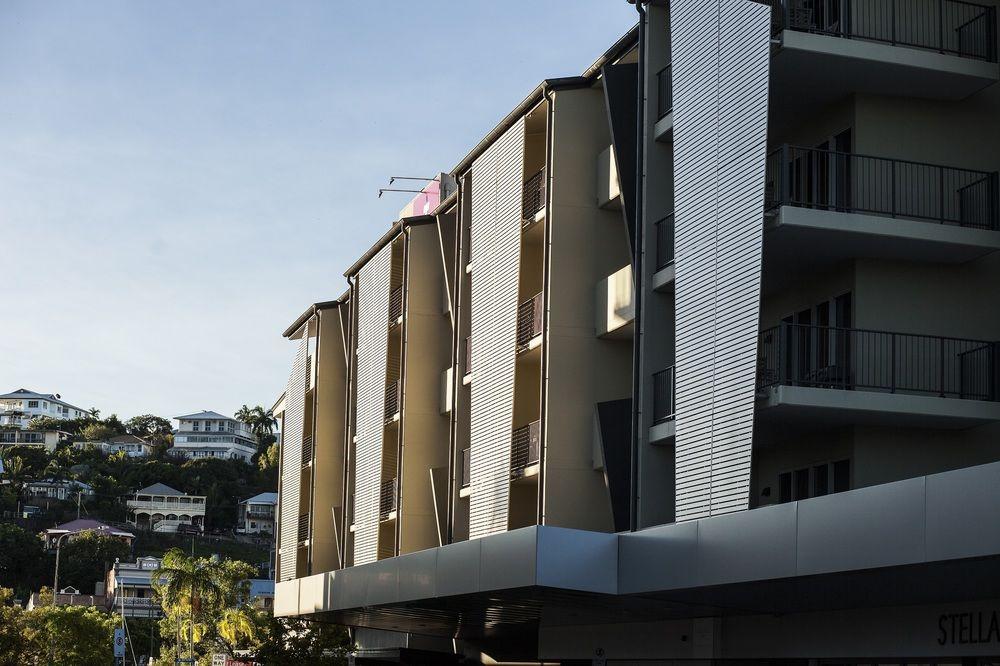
{"points": [[119, 642]]}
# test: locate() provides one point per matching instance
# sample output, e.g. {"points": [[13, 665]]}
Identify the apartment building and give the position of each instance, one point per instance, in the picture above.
{"points": [[164, 509], [211, 435], [17, 408], [697, 361]]}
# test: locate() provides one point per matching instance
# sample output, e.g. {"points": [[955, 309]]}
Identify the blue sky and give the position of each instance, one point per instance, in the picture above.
{"points": [[179, 180]]}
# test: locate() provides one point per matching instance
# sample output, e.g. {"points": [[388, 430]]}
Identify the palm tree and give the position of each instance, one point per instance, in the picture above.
{"points": [[235, 625], [13, 467], [192, 582]]}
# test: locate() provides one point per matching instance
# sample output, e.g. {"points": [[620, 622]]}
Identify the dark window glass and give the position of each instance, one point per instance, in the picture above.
{"points": [[820, 480], [785, 487], [801, 484], [841, 476]]}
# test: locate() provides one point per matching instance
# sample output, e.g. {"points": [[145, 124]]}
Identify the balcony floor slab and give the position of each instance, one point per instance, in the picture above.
{"points": [[819, 406], [833, 236]]}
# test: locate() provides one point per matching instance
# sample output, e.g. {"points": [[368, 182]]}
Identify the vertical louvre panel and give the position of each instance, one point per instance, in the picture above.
{"points": [[496, 252], [291, 460], [720, 57], [373, 308]]}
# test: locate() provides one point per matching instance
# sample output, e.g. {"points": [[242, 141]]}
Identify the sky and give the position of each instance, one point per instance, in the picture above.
{"points": [[180, 180]]}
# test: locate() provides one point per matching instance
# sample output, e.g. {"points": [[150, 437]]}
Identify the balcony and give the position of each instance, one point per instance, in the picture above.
{"points": [[664, 104], [845, 205], [387, 500], [533, 199], [663, 278], [396, 306], [525, 447], [529, 323], [392, 400], [932, 49], [303, 528], [465, 473], [615, 306], [467, 344], [819, 373], [664, 406]]}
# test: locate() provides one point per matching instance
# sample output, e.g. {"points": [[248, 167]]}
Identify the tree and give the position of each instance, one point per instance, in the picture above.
{"points": [[12, 620], [23, 563], [46, 423], [297, 642], [260, 420], [87, 557], [97, 432], [147, 426], [75, 635], [205, 602], [269, 458]]}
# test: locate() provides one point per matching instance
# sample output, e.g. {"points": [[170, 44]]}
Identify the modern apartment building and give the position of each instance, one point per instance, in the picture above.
{"points": [[697, 362], [212, 435], [17, 408]]}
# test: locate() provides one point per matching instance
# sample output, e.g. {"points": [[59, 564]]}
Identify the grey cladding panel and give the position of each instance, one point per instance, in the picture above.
{"points": [[720, 54], [291, 461]]}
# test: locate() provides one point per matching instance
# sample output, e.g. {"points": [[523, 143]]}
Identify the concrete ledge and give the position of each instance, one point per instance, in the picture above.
{"points": [[879, 408], [661, 433], [663, 130], [663, 279]]}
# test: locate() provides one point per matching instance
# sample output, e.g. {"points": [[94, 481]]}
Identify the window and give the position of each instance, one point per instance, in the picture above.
{"points": [[32, 403], [194, 426], [814, 481]]}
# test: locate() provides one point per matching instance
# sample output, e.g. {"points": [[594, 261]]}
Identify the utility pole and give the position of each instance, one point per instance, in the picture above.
{"points": [[78, 493]]}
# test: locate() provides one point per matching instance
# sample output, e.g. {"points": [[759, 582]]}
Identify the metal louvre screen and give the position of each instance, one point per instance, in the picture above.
{"points": [[372, 348], [291, 461], [496, 252], [720, 67]]}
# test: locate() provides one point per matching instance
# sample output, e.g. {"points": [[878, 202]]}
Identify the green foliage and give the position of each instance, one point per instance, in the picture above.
{"points": [[97, 432], [269, 458], [24, 565], [65, 635], [156, 429], [296, 642], [86, 558]]}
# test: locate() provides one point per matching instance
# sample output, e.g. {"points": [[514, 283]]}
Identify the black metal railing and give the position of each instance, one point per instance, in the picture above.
{"points": [[664, 92], [848, 182], [391, 400], [387, 497], [468, 354], [303, 527], [465, 478], [856, 359], [665, 242], [525, 446], [532, 197], [395, 305], [954, 27], [664, 406], [529, 320], [307, 450]]}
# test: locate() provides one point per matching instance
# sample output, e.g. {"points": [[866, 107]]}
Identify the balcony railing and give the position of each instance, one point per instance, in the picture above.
{"points": [[664, 406], [395, 305], [468, 354], [307, 450], [855, 359], [664, 92], [529, 320], [847, 182], [954, 27], [525, 445], [303, 527], [391, 400], [532, 197], [665, 242], [387, 498], [465, 479]]}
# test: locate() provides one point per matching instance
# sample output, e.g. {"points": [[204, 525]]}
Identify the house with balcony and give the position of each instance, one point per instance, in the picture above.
{"points": [[161, 508], [17, 408], [57, 489], [257, 514], [211, 435], [697, 362], [130, 445], [48, 440], [130, 591]]}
